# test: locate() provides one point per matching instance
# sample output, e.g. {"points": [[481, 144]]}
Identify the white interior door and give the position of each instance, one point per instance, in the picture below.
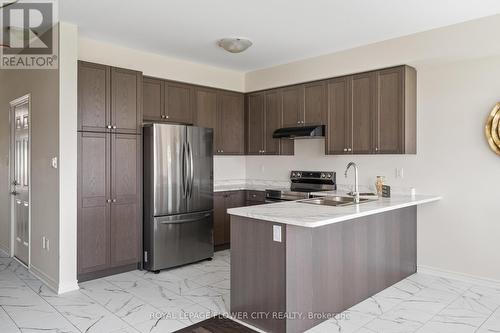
{"points": [[20, 177]]}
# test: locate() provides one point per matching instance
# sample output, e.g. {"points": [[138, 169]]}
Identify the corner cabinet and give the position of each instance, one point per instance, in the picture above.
{"points": [[109, 170], [372, 113]]}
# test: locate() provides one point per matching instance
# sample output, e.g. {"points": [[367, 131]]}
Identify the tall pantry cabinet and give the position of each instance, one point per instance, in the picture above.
{"points": [[109, 170]]}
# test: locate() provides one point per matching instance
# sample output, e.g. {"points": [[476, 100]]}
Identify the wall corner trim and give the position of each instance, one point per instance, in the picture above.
{"points": [[473, 279]]}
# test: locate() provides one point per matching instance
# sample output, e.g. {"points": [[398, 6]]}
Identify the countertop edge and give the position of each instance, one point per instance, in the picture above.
{"points": [[234, 211]]}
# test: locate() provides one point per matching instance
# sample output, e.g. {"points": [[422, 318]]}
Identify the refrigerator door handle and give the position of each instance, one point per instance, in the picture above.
{"points": [[191, 169], [198, 218], [183, 172]]}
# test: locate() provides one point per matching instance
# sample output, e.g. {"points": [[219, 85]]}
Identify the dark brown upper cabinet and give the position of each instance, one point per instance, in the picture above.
{"points": [[293, 106], [205, 105], [167, 101], [363, 111], [153, 99], [264, 113], [224, 112], [395, 116], [109, 99], [178, 99], [314, 104], [231, 127], [255, 123], [338, 136], [373, 113], [126, 101], [272, 121], [93, 97]]}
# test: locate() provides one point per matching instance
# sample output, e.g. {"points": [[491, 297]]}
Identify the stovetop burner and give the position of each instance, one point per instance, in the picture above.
{"points": [[303, 183]]}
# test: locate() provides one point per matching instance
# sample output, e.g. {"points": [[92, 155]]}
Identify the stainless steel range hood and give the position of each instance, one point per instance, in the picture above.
{"points": [[303, 132]]}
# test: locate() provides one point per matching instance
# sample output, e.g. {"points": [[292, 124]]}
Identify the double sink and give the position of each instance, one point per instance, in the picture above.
{"points": [[337, 201]]}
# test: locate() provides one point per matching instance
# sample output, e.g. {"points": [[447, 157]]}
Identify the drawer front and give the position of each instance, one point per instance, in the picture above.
{"points": [[256, 196]]}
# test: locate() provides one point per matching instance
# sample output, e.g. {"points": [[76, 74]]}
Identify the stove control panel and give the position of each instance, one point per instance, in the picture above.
{"points": [[320, 175]]}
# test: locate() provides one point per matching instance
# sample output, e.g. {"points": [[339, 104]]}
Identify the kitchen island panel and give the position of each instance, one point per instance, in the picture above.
{"points": [[320, 271]]}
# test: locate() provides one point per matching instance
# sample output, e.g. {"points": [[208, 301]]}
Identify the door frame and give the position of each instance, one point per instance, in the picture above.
{"points": [[18, 101]]}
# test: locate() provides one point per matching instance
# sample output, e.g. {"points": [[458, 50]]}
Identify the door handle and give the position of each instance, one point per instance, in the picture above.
{"points": [[191, 169], [184, 165]]}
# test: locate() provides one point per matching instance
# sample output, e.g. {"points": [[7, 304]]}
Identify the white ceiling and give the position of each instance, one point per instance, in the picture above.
{"points": [[281, 30]]}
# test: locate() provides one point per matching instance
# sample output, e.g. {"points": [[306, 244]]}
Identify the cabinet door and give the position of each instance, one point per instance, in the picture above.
{"points": [[93, 97], [255, 124], [272, 122], [219, 217], [234, 199], [363, 107], [231, 113], [205, 105], [153, 99], [126, 101], [339, 112], [389, 121], [293, 106], [93, 206], [178, 103], [315, 103], [125, 193]]}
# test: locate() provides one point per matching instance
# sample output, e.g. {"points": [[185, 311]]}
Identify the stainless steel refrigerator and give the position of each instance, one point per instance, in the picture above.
{"points": [[178, 195]]}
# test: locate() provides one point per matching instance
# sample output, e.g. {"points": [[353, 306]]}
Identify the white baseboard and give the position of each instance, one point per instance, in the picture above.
{"points": [[52, 284], [67, 287], [473, 279], [47, 280]]}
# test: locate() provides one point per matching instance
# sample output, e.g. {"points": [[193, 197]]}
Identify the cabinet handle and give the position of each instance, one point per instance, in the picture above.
{"points": [[114, 126], [345, 149], [349, 149], [108, 127], [166, 117], [162, 116], [376, 148], [108, 200], [114, 200]]}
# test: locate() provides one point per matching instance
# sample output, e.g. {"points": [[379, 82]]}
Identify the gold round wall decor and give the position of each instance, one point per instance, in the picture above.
{"points": [[492, 129]]}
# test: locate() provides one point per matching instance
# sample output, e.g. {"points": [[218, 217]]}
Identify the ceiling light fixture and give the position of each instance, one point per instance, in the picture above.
{"points": [[234, 45]]}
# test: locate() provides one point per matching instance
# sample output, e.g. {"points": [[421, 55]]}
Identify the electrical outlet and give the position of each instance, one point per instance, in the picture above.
{"points": [[399, 173], [277, 233]]}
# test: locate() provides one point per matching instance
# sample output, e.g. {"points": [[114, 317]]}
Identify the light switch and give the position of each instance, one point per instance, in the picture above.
{"points": [[54, 162], [277, 233]]}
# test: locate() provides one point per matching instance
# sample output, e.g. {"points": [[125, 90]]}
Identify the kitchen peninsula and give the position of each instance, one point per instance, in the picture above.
{"points": [[295, 264]]}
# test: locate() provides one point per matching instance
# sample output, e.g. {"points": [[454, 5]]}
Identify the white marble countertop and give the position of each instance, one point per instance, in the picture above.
{"points": [[309, 215], [263, 185]]}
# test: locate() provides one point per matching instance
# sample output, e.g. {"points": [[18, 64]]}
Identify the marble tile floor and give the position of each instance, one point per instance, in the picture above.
{"points": [[144, 302]]}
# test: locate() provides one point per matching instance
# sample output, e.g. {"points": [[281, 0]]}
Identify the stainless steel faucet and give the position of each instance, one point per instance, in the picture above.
{"points": [[355, 194]]}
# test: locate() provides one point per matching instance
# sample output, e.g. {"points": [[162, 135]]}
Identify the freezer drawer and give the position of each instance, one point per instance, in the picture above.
{"points": [[180, 239]]}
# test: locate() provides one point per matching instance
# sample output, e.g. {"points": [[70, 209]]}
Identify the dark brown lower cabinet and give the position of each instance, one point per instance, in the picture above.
{"points": [[109, 204], [222, 222]]}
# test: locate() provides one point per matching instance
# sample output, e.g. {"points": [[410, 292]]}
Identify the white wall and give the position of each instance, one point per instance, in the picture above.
{"points": [[229, 168], [461, 232], [68, 56], [160, 66], [473, 39]]}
